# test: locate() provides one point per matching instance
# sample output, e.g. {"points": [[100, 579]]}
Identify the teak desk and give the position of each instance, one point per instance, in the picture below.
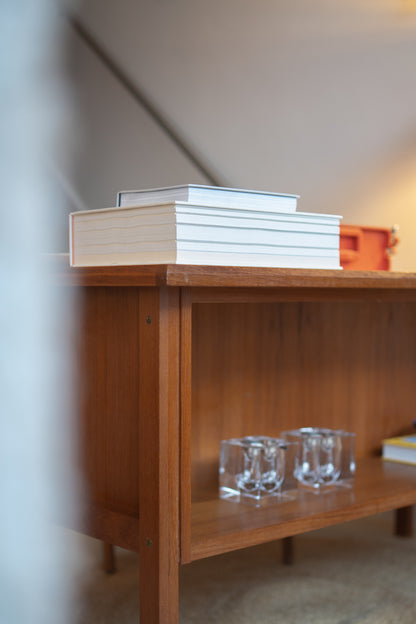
{"points": [[172, 359]]}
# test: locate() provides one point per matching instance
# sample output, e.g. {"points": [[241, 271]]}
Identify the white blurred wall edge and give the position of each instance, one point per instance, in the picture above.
{"points": [[37, 484]]}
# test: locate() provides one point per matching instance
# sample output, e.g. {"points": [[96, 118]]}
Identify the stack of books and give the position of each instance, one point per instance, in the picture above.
{"points": [[194, 224]]}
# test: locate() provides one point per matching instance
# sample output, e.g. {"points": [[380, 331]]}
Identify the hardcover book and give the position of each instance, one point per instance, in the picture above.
{"points": [[401, 449], [211, 196]]}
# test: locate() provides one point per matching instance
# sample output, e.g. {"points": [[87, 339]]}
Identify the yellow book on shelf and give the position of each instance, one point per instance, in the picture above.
{"points": [[401, 449]]}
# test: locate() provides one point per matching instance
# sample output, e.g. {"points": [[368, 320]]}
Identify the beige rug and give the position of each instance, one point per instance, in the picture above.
{"points": [[356, 573]]}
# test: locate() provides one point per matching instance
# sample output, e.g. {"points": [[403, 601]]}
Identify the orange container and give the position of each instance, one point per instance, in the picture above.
{"points": [[367, 248]]}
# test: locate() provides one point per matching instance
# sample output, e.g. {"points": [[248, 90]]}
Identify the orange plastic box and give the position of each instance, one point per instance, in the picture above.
{"points": [[367, 248]]}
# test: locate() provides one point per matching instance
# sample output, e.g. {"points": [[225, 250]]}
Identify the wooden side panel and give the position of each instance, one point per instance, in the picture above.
{"points": [[109, 382], [260, 368], [186, 424], [159, 321], [129, 430]]}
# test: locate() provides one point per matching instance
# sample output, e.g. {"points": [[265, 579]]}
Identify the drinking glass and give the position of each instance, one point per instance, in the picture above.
{"points": [[254, 469], [318, 462], [264, 467]]}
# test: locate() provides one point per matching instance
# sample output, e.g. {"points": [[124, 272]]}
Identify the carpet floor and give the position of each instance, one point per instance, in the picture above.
{"points": [[354, 573]]}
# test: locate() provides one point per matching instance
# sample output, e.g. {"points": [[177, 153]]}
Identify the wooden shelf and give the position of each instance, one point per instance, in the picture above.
{"points": [[219, 526]]}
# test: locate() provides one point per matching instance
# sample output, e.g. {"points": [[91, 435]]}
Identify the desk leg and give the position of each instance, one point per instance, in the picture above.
{"points": [[288, 555], [159, 455], [109, 561], [404, 521]]}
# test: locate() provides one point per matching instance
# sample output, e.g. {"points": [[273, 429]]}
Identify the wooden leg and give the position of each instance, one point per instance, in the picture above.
{"points": [[404, 521], [159, 455], [109, 562], [288, 550]]}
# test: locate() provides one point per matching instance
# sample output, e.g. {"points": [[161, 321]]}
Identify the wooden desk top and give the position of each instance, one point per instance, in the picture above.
{"points": [[228, 277]]}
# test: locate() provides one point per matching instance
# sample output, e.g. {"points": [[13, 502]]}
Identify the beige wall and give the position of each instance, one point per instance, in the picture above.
{"points": [[314, 98]]}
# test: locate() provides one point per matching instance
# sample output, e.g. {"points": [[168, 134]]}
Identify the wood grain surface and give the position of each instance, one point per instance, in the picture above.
{"points": [[108, 374], [173, 359], [250, 362], [158, 474], [223, 276], [219, 526], [268, 367]]}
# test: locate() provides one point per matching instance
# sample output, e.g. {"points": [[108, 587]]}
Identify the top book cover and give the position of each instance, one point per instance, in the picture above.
{"points": [[218, 196]]}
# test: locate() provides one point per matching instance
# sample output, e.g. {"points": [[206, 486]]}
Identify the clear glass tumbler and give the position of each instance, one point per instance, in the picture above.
{"points": [[256, 469], [318, 462]]}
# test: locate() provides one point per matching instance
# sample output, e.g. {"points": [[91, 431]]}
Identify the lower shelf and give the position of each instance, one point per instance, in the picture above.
{"points": [[220, 526]]}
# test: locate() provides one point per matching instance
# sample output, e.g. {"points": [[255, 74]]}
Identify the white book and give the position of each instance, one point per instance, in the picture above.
{"points": [[183, 233], [201, 214], [211, 196], [210, 258], [204, 233], [175, 212], [122, 247]]}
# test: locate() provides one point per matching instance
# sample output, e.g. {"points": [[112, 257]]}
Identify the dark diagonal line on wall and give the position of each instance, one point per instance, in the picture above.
{"points": [[140, 98]]}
